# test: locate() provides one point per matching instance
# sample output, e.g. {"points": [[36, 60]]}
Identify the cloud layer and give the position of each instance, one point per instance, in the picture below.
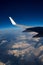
{"points": [[20, 47]]}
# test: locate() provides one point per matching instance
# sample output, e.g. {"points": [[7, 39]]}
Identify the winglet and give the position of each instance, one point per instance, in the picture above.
{"points": [[12, 21]]}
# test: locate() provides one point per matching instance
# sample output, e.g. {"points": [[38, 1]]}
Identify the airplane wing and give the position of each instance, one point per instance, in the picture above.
{"points": [[38, 30], [14, 23]]}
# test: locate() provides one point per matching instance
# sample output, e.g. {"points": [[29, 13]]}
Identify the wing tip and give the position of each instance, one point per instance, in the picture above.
{"points": [[12, 21]]}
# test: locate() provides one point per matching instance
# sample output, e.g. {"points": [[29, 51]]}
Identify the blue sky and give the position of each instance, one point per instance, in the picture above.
{"points": [[26, 12]]}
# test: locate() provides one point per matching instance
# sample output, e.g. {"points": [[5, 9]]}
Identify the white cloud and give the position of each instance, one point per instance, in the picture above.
{"points": [[21, 48], [3, 41], [41, 58], [2, 63]]}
